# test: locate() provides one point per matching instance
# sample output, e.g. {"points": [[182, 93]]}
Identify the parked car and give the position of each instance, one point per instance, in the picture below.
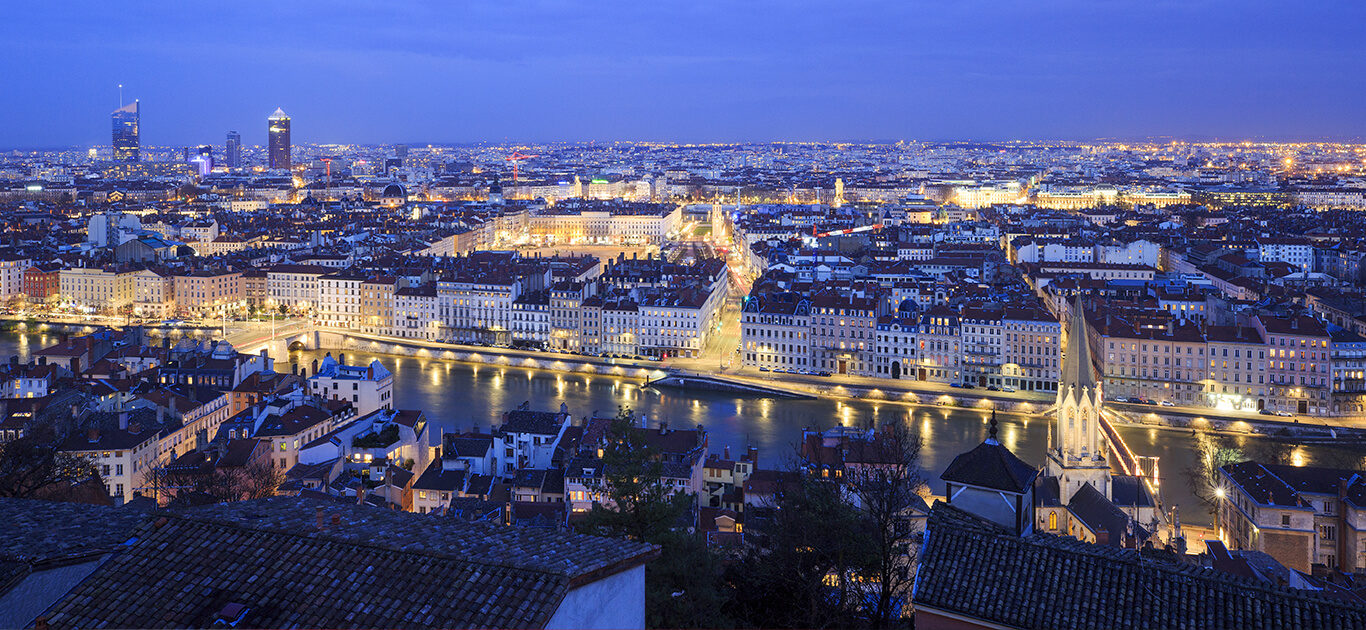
{"points": [[1008, 388], [993, 388], [1167, 403], [763, 369], [1285, 414], [1266, 412]]}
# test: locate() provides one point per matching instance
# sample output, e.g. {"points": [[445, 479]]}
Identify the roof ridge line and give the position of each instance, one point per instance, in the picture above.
{"points": [[294, 533]]}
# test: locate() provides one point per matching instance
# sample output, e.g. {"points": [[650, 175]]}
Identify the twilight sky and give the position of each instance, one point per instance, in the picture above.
{"points": [[732, 70]]}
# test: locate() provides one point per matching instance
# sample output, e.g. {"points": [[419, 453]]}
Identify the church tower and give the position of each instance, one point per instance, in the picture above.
{"points": [[1076, 457]]}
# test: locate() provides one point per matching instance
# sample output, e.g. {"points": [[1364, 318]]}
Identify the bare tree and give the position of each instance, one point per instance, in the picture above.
{"points": [[29, 468], [1212, 453], [256, 480], [884, 479]]}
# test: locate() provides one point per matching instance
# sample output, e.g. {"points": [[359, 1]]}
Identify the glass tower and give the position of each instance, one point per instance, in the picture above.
{"points": [[232, 153], [277, 131], [126, 139]]}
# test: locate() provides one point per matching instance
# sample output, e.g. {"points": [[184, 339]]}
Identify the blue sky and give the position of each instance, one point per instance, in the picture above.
{"points": [[350, 71]]}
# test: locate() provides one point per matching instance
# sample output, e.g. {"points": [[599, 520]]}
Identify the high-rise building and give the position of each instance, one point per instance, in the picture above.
{"points": [[277, 130], [232, 153], [126, 139]]}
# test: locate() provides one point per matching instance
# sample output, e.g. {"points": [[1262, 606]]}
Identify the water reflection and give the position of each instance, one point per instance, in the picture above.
{"points": [[461, 396]]}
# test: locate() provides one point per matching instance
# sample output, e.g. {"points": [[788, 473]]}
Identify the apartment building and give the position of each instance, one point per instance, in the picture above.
{"points": [[775, 332], [1298, 372], [208, 292], [341, 298], [844, 330], [100, 289], [377, 304], [153, 294], [1306, 517], [294, 287]]}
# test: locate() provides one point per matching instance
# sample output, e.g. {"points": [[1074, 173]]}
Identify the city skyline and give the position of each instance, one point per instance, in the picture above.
{"points": [[489, 74]]}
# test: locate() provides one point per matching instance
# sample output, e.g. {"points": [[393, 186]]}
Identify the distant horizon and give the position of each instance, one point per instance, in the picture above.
{"points": [[1160, 139], [482, 71]]}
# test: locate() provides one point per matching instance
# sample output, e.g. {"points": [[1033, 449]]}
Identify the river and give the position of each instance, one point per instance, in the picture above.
{"points": [[460, 396]]}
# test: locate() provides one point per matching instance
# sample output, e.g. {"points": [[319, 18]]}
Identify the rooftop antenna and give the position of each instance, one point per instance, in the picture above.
{"points": [[120, 95]]}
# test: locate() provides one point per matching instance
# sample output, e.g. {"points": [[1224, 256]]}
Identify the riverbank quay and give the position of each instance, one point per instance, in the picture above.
{"points": [[1316, 430]]}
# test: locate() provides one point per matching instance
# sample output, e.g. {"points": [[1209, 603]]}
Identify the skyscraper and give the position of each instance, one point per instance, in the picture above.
{"points": [[232, 153], [126, 140], [277, 131]]}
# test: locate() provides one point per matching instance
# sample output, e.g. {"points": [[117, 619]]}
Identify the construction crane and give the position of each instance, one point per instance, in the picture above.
{"points": [[861, 228], [518, 156]]}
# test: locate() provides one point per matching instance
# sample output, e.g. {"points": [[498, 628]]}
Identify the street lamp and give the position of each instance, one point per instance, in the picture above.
{"points": [[1218, 510]]}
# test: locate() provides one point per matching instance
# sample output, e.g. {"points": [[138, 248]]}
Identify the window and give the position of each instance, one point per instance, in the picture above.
{"points": [[1328, 532], [1285, 520], [1053, 521]]}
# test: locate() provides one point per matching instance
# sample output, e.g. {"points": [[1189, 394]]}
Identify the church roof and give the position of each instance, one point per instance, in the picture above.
{"points": [[1078, 371], [969, 567], [991, 466], [1129, 491], [1101, 515]]}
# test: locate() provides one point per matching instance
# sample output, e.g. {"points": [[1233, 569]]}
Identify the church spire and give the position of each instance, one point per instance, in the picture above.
{"points": [[991, 433], [1078, 371]]}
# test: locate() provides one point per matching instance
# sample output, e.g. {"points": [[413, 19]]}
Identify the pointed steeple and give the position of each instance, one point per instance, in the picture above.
{"points": [[1078, 371], [991, 433]]}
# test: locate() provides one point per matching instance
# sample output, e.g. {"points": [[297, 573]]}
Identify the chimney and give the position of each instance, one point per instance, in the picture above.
{"points": [[320, 522], [725, 453], [507, 513], [93, 435], [663, 428], [341, 358], [336, 520], [1102, 536], [123, 419]]}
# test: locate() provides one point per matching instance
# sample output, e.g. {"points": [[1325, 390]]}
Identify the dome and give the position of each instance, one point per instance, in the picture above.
{"points": [[393, 196]]}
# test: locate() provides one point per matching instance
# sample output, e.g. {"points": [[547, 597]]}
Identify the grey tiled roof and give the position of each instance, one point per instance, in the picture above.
{"points": [[535, 422], [371, 568], [991, 465], [41, 531], [182, 573], [977, 570], [572, 555]]}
